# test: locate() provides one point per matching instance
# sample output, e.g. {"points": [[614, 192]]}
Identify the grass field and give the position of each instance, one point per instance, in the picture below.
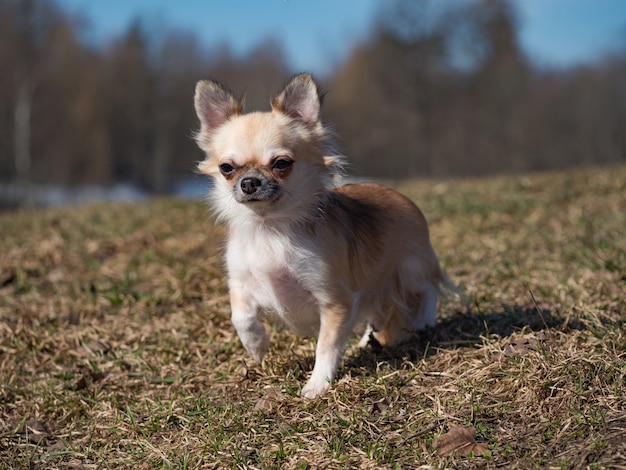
{"points": [[116, 349]]}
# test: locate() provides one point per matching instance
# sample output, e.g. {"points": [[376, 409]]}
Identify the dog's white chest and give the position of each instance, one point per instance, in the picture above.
{"points": [[273, 273]]}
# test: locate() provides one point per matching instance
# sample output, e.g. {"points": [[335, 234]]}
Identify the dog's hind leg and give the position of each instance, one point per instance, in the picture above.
{"points": [[426, 315], [417, 312]]}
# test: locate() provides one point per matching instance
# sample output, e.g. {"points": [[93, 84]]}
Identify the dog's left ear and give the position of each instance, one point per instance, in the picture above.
{"points": [[300, 99]]}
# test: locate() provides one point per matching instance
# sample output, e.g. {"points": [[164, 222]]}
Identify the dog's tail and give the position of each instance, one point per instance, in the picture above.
{"points": [[447, 288]]}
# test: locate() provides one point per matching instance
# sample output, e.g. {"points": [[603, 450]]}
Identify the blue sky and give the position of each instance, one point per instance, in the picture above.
{"points": [[317, 34]]}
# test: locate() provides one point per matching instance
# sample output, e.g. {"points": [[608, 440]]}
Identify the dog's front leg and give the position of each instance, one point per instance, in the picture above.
{"points": [[245, 319], [335, 327]]}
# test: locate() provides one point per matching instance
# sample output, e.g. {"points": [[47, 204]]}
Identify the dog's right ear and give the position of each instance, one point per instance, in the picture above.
{"points": [[215, 104]]}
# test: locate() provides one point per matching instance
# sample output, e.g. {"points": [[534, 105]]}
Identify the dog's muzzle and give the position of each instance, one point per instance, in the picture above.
{"points": [[256, 187]]}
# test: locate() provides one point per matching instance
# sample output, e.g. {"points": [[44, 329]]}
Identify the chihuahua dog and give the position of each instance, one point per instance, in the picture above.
{"points": [[322, 258]]}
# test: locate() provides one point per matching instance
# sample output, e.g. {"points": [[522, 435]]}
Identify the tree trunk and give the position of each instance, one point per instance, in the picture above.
{"points": [[22, 123]]}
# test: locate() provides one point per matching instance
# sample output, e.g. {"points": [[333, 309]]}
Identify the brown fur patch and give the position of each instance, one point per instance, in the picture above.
{"points": [[361, 223]]}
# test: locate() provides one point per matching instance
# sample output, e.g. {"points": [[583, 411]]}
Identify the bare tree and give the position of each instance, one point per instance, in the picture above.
{"points": [[27, 19], [437, 89], [33, 29]]}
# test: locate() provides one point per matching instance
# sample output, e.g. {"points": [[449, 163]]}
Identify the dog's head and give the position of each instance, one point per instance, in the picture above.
{"points": [[273, 164]]}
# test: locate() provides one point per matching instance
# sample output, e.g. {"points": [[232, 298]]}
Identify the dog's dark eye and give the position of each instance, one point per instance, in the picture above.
{"points": [[227, 169], [282, 164]]}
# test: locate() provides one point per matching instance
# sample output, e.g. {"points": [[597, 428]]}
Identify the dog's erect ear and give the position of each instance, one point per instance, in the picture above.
{"points": [[215, 104], [300, 99]]}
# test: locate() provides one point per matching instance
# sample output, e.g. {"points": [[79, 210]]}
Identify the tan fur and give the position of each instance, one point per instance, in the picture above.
{"points": [[321, 258], [403, 225]]}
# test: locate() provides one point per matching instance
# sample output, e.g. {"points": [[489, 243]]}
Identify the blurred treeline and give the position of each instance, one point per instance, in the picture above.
{"points": [[451, 92], [434, 91]]}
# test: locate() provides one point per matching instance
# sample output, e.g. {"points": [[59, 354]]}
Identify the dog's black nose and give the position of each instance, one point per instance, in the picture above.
{"points": [[250, 184]]}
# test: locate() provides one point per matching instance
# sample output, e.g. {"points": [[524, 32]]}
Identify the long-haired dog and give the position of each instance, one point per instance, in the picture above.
{"points": [[322, 258]]}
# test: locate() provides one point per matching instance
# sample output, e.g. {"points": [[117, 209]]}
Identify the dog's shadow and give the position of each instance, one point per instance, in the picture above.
{"points": [[462, 329]]}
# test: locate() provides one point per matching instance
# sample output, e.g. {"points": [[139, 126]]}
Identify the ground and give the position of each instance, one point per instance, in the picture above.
{"points": [[116, 349]]}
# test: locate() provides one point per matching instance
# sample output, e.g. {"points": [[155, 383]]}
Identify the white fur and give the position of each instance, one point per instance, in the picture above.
{"points": [[284, 275]]}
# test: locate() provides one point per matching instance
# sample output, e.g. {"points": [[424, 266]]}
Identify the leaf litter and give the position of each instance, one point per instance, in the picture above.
{"points": [[460, 441]]}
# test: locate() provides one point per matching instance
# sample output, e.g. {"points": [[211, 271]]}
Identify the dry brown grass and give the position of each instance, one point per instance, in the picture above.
{"points": [[116, 350]]}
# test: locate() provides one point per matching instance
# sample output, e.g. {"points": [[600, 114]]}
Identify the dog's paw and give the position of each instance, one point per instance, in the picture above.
{"points": [[257, 347], [365, 339], [314, 388]]}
